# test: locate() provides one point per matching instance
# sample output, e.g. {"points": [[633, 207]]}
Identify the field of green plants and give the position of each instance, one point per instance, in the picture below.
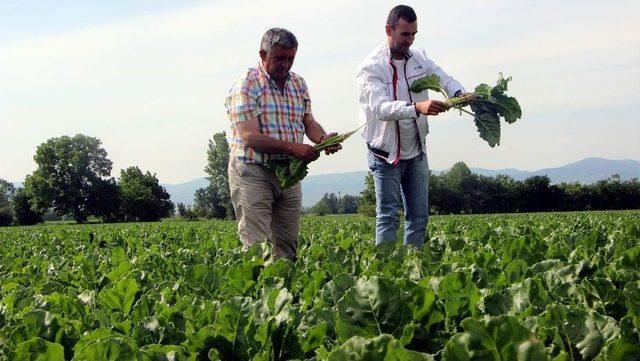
{"points": [[514, 287]]}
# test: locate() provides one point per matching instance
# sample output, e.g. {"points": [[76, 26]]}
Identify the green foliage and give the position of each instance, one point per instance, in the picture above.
{"points": [[499, 338], [458, 190], [143, 198], [332, 204], [382, 348], [186, 212], [70, 173], [23, 211], [490, 104], [291, 170], [367, 200], [431, 82], [7, 193], [214, 201], [509, 287]]}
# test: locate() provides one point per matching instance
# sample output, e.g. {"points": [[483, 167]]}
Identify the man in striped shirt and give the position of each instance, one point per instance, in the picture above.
{"points": [[270, 113]]}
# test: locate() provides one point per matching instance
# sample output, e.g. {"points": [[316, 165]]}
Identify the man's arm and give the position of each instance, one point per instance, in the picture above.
{"points": [[249, 131], [373, 94]]}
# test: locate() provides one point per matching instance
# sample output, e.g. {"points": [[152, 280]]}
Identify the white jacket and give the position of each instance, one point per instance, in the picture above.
{"points": [[379, 108]]}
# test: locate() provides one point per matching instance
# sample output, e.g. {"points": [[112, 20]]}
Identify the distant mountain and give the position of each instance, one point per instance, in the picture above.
{"points": [[589, 170], [315, 186], [183, 192]]}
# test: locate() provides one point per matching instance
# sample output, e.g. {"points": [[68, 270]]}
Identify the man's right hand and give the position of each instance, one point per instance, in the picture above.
{"points": [[431, 107], [304, 152]]}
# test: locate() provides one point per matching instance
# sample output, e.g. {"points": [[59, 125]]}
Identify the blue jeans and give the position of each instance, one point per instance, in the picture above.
{"points": [[408, 179]]}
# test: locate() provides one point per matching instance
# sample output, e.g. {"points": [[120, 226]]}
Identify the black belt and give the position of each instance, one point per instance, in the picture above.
{"points": [[378, 152]]}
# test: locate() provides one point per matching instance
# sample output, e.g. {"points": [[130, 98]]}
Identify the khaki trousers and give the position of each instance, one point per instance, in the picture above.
{"points": [[265, 212]]}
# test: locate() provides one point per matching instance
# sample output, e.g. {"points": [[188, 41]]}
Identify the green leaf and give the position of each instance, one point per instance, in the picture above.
{"points": [[313, 328], [459, 294], [103, 344], [381, 348], [120, 297], [164, 353], [431, 82], [632, 293], [232, 319], [576, 330], [36, 323], [508, 108], [491, 104], [501, 85], [202, 278], [291, 170], [424, 308], [333, 290], [37, 349], [372, 307], [494, 338], [488, 124]]}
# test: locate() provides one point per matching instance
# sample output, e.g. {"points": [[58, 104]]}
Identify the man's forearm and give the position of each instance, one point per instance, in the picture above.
{"points": [[265, 144], [313, 129]]}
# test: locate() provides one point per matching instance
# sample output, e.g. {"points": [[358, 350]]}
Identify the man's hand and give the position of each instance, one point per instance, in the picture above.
{"points": [[332, 149], [304, 152], [431, 107]]}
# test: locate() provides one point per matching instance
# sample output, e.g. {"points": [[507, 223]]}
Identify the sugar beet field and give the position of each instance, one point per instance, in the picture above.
{"points": [[497, 287]]}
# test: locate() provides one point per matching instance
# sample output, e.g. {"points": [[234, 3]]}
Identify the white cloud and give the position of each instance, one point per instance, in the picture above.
{"points": [[152, 88]]}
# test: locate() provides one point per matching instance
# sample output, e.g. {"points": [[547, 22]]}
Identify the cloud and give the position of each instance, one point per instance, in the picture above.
{"points": [[152, 87]]}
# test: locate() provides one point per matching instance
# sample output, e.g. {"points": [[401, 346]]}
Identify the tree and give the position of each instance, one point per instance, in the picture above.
{"points": [[70, 172], [23, 211], [207, 203], [186, 212], [7, 192], [106, 201], [367, 201], [214, 201], [348, 204], [538, 195], [143, 198], [322, 207], [182, 209]]}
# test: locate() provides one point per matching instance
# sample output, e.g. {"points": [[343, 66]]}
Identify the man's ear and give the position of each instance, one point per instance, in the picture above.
{"points": [[388, 30], [263, 55]]}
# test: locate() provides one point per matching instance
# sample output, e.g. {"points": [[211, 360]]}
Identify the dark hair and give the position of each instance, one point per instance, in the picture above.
{"points": [[401, 12], [278, 37]]}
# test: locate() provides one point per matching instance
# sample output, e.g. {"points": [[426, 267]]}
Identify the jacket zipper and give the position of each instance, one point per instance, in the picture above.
{"points": [[395, 97]]}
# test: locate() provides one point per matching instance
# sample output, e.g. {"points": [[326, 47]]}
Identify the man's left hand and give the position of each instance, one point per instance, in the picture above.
{"points": [[332, 149]]}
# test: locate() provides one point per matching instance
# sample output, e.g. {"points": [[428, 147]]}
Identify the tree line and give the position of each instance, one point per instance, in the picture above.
{"points": [[459, 191], [73, 180], [455, 191]]}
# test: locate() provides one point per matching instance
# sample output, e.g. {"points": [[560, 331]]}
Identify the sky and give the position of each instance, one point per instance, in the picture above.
{"points": [[149, 77]]}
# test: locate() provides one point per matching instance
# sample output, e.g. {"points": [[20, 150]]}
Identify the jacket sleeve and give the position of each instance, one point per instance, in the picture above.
{"points": [[373, 95], [450, 85]]}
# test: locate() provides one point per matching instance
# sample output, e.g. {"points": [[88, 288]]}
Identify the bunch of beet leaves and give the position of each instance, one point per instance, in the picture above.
{"points": [[489, 104], [291, 170]]}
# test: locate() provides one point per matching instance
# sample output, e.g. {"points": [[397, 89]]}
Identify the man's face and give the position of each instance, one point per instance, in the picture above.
{"points": [[401, 38], [278, 62]]}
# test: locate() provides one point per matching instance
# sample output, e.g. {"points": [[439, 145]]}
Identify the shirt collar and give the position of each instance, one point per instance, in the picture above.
{"points": [[264, 72]]}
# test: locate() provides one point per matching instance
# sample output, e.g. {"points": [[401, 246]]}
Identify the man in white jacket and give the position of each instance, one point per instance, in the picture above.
{"points": [[396, 126]]}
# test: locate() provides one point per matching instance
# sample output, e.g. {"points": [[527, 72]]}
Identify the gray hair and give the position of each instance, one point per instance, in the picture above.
{"points": [[278, 37]]}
